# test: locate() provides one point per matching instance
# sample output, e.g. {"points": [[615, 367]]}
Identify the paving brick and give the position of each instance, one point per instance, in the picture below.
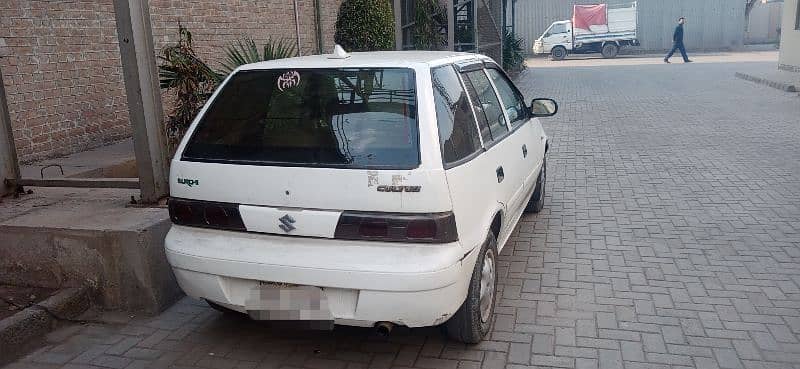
{"points": [[122, 346], [586, 363], [571, 351], [610, 359], [432, 363], [553, 361], [519, 353], [654, 343], [669, 359], [727, 358], [632, 351], [543, 344], [109, 361], [706, 363], [565, 336]]}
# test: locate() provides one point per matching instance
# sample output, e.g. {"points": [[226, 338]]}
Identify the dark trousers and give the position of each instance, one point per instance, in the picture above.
{"points": [[677, 46]]}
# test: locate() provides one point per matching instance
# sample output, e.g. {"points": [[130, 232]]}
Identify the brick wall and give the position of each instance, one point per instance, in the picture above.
{"points": [[61, 65], [63, 76]]}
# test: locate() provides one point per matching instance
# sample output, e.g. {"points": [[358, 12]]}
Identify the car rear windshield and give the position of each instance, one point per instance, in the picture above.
{"points": [[348, 118]]}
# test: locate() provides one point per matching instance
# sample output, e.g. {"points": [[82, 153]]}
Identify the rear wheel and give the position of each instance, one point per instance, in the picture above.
{"points": [[610, 51], [558, 53], [536, 202], [472, 321]]}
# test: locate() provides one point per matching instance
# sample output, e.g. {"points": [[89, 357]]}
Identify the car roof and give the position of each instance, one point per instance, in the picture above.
{"points": [[385, 59]]}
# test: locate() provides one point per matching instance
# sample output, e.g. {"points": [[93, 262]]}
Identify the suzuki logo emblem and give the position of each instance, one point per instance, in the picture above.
{"points": [[287, 223]]}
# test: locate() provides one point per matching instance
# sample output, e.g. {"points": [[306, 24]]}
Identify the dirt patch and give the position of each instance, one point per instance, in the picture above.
{"points": [[15, 298]]}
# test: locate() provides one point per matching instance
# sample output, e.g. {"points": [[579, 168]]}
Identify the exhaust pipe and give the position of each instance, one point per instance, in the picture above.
{"points": [[383, 328]]}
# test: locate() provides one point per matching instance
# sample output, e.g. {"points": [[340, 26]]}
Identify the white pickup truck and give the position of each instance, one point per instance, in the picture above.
{"points": [[593, 29]]}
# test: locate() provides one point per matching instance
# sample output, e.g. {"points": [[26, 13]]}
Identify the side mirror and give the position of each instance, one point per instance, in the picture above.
{"points": [[544, 107]]}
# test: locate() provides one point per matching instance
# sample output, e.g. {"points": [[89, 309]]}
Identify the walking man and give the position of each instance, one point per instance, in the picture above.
{"points": [[677, 42]]}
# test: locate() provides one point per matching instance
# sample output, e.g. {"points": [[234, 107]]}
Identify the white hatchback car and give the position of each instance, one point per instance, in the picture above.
{"points": [[366, 189]]}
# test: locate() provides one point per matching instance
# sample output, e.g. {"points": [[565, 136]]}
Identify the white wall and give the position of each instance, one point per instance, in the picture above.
{"points": [[764, 22], [790, 37]]}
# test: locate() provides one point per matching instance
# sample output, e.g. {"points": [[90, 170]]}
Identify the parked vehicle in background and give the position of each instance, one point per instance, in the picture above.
{"points": [[593, 29], [366, 189]]}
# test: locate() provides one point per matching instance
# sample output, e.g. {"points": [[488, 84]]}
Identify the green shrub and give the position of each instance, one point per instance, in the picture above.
{"points": [[365, 25]]}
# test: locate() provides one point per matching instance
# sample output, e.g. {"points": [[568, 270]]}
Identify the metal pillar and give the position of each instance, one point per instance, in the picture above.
{"points": [[144, 99], [398, 24], [9, 167], [318, 26], [451, 25]]}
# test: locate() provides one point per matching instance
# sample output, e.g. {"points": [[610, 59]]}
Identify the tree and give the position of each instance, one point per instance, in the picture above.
{"points": [[365, 25], [430, 25]]}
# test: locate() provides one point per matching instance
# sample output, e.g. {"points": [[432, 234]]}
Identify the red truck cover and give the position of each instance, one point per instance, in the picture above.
{"points": [[585, 16]]}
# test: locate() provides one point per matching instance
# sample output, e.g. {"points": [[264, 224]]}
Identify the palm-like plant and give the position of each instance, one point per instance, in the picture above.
{"points": [[245, 51], [191, 79], [513, 54]]}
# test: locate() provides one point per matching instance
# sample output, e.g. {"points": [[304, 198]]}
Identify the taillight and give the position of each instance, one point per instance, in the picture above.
{"points": [[205, 214], [394, 227]]}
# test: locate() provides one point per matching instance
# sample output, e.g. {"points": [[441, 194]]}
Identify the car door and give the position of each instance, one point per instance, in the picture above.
{"points": [[528, 131], [502, 150], [474, 190], [558, 34]]}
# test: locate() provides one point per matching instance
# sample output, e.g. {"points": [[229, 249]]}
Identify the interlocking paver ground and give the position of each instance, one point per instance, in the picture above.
{"points": [[670, 238]]}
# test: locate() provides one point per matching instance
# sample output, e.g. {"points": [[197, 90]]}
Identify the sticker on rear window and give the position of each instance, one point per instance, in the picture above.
{"points": [[288, 80]]}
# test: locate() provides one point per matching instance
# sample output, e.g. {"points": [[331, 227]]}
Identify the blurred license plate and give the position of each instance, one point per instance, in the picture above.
{"points": [[287, 303]]}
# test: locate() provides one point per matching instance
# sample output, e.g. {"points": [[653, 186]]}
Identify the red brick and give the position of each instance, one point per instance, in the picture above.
{"points": [[64, 74]]}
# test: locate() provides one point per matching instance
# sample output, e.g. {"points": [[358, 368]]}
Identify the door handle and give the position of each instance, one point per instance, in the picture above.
{"points": [[524, 151], [500, 175]]}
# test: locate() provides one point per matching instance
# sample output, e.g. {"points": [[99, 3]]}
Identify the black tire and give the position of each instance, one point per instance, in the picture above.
{"points": [[610, 51], [471, 323], [222, 309], [558, 53], [536, 202]]}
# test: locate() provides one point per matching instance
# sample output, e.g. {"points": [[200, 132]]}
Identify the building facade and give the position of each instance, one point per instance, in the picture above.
{"points": [[789, 58], [462, 25], [764, 23], [711, 24], [60, 60]]}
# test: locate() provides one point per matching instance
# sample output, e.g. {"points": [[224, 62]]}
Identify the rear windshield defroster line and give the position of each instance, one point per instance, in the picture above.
{"points": [[332, 118]]}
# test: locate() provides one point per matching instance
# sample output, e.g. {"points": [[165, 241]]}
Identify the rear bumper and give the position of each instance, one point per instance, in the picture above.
{"points": [[364, 282]]}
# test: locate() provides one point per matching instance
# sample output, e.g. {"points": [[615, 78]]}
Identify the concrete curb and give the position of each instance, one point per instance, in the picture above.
{"points": [[774, 84], [24, 327]]}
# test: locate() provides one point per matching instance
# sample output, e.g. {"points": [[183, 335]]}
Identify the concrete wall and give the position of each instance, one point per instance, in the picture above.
{"points": [[711, 24], [764, 22], [790, 37], [115, 251], [62, 69]]}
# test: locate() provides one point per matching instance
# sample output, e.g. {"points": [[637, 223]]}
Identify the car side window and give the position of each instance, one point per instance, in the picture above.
{"points": [[511, 98], [558, 28], [458, 134], [487, 107]]}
